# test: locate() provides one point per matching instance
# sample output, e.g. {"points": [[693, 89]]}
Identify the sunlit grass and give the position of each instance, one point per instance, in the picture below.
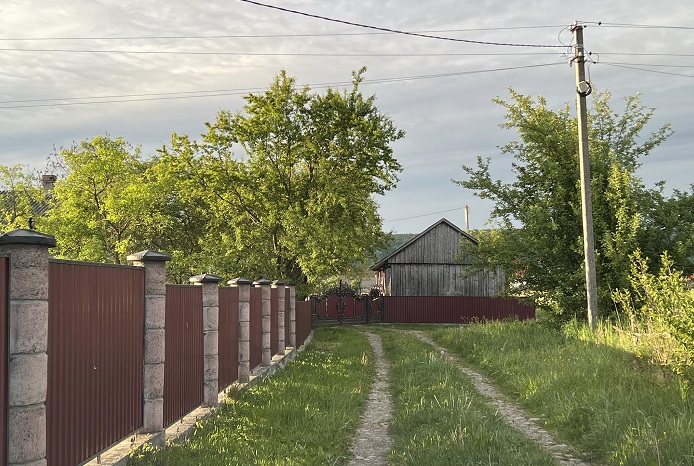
{"points": [[440, 419], [607, 402], [305, 414]]}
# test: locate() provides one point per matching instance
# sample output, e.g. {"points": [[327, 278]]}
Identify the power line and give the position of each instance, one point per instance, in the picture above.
{"points": [[663, 65], [71, 101], [264, 36], [649, 71], [397, 31], [261, 54], [423, 215], [630, 25]]}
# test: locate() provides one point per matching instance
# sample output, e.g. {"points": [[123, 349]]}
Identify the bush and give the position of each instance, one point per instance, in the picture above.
{"points": [[660, 313]]}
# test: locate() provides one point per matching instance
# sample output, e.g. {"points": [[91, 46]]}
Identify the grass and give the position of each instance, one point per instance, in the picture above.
{"points": [[440, 419], [305, 414], [612, 405]]}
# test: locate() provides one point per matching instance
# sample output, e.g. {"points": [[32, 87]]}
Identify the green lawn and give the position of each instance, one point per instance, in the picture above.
{"points": [[305, 414]]}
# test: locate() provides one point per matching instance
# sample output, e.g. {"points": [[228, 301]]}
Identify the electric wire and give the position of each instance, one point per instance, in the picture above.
{"points": [[631, 25], [397, 31], [423, 215], [265, 36], [262, 54], [648, 71], [71, 101]]}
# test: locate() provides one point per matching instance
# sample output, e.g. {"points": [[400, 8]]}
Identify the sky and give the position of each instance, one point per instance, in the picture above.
{"points": [[73, 70]]}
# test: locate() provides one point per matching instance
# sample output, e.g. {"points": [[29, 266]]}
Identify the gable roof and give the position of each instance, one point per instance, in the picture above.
{"points": [[378, 265]]}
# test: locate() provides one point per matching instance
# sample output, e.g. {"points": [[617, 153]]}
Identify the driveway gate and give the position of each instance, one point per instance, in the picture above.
{"points": [[342, 304]]}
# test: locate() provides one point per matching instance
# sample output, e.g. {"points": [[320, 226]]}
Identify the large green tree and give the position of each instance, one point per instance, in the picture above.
{"points": [[290, 180], [100, 208], [538, 240]]}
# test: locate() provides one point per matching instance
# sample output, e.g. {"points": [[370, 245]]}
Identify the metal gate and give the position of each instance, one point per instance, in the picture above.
{"points": [[342, 304]]}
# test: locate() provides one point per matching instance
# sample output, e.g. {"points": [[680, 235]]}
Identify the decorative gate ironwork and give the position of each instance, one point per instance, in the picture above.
{"points": [[342, 304]]}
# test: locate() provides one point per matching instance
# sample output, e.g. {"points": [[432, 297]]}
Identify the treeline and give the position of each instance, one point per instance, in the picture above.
{"points": [[283, 189]]}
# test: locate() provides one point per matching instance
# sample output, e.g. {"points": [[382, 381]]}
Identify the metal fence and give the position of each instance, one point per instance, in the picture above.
{"points": [[452, 309], [274, 314], [4, 272], [287, 317], [228, 336], [256, 327], [183, 372], [304, 321], [95, 344]]}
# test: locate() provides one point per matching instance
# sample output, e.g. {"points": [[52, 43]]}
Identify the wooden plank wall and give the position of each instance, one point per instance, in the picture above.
{"points": [[438, 246], [442, 280], [430, 266]]}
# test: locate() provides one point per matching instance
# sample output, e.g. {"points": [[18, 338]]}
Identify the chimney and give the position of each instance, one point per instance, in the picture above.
{"points": [[48, 181]]}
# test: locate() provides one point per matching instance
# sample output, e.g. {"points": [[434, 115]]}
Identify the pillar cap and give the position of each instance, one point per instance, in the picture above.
{"points": [[23, 236], [148, 255], [240, 281], [279, 283], [205, 278], [262, 281]]}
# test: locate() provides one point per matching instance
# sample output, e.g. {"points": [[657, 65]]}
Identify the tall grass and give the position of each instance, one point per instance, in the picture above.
{"points": [[440, 419], [612, 405], [305, 414]]}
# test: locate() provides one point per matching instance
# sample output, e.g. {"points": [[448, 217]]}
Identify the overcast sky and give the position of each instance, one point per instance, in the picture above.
{"points": [[69, 72]]}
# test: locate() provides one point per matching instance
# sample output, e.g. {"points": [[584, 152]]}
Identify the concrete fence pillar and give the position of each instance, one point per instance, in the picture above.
{"points": [[244, 333], [210, 329], [154, 264], [281, 344], [266, 312], [292, 314], [28, 345]]}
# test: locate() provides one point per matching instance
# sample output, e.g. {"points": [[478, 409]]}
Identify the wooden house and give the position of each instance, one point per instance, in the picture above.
{"points": [[430, 264]]}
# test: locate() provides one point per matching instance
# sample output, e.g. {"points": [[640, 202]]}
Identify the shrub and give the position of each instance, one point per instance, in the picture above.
{"points": [[660, 313]]}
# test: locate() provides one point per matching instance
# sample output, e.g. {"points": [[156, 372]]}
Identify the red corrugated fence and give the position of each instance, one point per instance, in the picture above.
{"points": [[95, 348], [183, 371], [4, 300], [452, 309], [304, 321], [228, 336]]}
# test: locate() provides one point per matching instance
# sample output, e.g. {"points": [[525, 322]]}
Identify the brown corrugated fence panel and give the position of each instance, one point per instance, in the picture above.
{"points": [[287, 317], [452, 309], [228, 336], [256, 327], [4, 300], [274, 314], [304, 321], [183, 368], [95, 349]]}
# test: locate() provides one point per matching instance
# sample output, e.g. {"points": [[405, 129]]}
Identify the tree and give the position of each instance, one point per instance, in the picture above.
{"points": [[297, 201], [99, 209], [668, 225], [21, 198], [539, 242]]}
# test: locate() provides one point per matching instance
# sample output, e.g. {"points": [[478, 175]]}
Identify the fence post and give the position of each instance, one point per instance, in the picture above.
{"points": [[244, 334], [28, 345], [154, 264], [281, 344], [210, 329], [266, 310], [292, 314]]}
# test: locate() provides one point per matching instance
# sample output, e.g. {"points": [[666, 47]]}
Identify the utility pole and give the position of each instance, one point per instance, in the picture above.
{"points": [[583, 89]]}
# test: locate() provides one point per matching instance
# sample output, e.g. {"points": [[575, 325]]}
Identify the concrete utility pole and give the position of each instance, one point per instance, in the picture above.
{"points": [[583, 89]]}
